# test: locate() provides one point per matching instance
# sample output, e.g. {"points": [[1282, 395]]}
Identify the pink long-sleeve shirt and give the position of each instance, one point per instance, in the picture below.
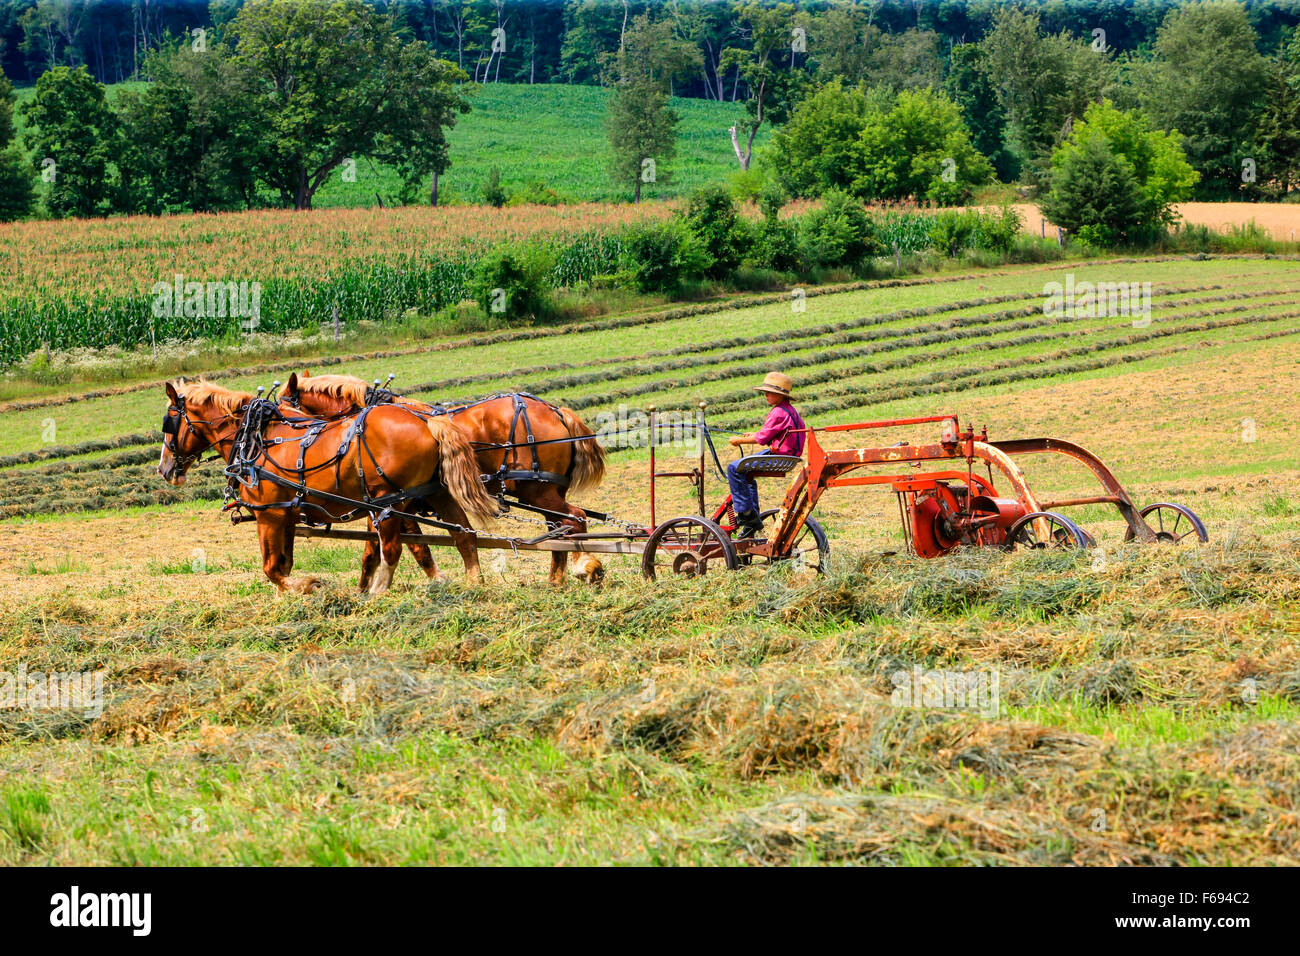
{"points": [[781, 430]]}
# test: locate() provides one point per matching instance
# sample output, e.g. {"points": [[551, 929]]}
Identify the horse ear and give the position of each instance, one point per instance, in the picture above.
{"points": [[171, 393], [291, 386]]}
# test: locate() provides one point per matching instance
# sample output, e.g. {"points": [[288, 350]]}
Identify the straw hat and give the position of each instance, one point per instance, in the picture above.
{"points": [[776, 382]]}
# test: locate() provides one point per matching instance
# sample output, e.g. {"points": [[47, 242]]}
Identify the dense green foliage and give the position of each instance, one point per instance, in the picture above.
{"points": [[1094, 197], [711, 216], [1043, 81], [16, 192], [511, 282], [664, 257], [642, 127], [1278, 133], [76, 137], [1095, 194], [284, 102], [1206, 82], [879, 146]]}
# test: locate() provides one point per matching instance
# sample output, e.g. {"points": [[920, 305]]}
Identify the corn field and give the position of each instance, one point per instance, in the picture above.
{"points": [[91, 282]]}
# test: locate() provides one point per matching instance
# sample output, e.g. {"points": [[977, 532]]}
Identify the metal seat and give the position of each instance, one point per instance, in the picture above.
{"points": [[767, 466]]}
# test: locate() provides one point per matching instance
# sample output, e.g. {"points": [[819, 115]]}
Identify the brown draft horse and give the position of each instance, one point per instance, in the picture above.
{"points": [[490, 424], [400, 451]]}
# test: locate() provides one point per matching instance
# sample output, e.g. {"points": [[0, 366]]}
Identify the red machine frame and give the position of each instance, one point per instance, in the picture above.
{"points": [[940, 510]]}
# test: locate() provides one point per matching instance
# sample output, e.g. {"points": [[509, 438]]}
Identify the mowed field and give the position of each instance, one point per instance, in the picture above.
{"points": [[1148, 705]]}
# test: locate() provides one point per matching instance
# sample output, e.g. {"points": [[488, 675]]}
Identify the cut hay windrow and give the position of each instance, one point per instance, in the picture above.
{"points": [[797, 349], [81, 448], [963, 379], [702, 354], [127, 486], [705, 353], [810, 363], [810, 376], [19, 477]]}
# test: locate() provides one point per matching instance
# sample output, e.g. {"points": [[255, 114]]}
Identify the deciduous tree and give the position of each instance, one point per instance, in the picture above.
{"points": [[74, 138], [1206, 81]]}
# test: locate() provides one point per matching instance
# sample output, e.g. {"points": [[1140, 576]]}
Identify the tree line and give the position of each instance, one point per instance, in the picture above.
{"points": [[883, 100], [550, 41], [864, 115], [278, 99]]}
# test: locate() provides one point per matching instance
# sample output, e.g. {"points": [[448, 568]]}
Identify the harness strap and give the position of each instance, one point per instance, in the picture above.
{"points": [[515, 474], [384, 503], [513, 501]]}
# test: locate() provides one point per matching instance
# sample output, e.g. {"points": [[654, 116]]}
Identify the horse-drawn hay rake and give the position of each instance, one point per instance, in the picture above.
{"points": [[954, 505]]}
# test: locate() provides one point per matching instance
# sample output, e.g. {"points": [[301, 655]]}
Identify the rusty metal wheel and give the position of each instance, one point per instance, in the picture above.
{"points": [[1047, 529], [811, 548], [688, 546], [1172, 523]]}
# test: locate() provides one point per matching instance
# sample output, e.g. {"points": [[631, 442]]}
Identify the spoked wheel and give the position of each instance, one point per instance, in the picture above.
{"points": [[811, 546], [1172, 523], [1056, 531], [688, 546]]}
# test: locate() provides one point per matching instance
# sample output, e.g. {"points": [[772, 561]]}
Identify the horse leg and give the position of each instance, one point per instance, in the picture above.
{"points": [[370, 557], [466, 542], [369, 561], [549, 497], [274, 531], [586, 567], [289, 539], [390, 551], [421, 553]]}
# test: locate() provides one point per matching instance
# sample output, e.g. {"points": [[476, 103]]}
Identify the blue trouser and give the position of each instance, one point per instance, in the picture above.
{"points": [[744, 490]]}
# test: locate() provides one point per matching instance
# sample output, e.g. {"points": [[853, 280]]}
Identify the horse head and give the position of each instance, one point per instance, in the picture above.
{"points": [[325, 396], [199, 415]]}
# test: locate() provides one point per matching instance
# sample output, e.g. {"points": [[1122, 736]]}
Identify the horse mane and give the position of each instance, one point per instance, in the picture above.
{"points": [[349, 388], [224, 400]]}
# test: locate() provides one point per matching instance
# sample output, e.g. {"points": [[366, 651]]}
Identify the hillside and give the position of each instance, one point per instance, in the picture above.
{"points": [[553, 135]]}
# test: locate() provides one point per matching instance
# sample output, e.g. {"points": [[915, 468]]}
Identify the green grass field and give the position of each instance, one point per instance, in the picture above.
{"points": [[549, 134], [555, 135], [1147, 702]]}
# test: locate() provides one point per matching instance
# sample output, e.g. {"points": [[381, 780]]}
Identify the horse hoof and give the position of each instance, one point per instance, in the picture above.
{"points": [[588, 569]]}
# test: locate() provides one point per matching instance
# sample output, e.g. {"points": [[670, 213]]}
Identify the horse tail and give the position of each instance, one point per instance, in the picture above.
{"points": [[459, 467], [588, 466]]}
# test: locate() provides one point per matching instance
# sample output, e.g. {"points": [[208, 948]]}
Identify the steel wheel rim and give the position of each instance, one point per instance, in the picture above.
{"points": [[1063, 534], [685, 547], [1167, 533], [798, 550]]}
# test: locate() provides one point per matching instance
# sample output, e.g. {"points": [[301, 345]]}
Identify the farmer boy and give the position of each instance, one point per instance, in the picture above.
{"points": [[782, 433]]}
